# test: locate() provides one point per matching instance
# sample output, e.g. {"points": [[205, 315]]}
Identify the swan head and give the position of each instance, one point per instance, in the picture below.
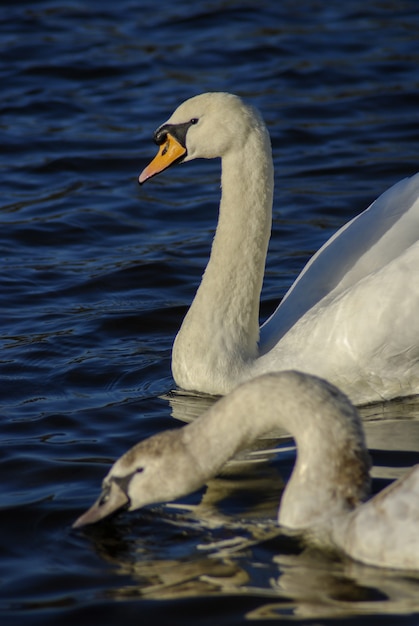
{"points": [[206, 126], [155, 470]]}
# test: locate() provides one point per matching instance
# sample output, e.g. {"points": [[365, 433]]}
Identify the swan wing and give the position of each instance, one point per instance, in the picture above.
{"points": [[364, 340], [384, 530], [364, 245]]}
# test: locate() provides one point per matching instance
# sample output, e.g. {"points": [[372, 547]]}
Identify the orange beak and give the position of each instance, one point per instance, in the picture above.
{"points": [[169, 152]]}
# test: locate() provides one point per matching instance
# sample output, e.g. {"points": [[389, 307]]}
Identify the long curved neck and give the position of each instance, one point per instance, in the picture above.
{"points": [[331, 475], [221, 329]]}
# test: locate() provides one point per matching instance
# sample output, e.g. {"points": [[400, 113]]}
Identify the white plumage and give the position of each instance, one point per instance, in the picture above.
{"points": [[350, 317]]}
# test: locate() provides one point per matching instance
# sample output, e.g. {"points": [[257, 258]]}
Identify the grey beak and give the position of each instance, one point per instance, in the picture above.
{"points": [[111, 499]]}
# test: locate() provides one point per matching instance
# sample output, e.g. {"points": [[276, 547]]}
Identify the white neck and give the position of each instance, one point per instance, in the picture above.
{"points": [[221, 329], [331, 475]]}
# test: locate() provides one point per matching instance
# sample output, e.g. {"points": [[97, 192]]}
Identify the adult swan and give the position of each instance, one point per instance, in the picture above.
{"points": [[352, 316]]}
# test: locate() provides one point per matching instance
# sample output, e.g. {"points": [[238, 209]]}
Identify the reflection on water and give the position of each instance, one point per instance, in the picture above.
{"points": [[392, 431], [254, 560], [317, 587]]}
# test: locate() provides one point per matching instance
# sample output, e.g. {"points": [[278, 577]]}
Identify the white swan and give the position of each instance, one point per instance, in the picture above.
{"points": [[350, 317], [324, 496]]}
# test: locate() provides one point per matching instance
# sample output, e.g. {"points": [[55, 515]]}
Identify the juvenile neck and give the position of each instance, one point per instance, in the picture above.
{"points": [[221, 329], [331, 475]]}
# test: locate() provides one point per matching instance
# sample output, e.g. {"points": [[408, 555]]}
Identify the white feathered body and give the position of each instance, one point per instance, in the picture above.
{"points": [[384, 530], [351, 315]]}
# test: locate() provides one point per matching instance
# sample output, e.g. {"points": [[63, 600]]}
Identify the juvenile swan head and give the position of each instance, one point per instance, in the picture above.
{"points": [[157, 469]]}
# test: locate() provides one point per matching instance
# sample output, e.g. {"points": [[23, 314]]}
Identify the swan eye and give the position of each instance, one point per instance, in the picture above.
{"points": [[194, 120], [139, 470]]}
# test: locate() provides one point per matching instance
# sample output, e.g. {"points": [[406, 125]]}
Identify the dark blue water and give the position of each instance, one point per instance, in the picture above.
{"points": [[97, 275]]}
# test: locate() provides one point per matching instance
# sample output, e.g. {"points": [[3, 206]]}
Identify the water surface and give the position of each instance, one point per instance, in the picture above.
{"points": [[97, 275]]}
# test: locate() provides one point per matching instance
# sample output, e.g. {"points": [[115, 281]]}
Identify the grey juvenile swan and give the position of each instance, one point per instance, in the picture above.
{"points": [[325, 495], [350, 317]]}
